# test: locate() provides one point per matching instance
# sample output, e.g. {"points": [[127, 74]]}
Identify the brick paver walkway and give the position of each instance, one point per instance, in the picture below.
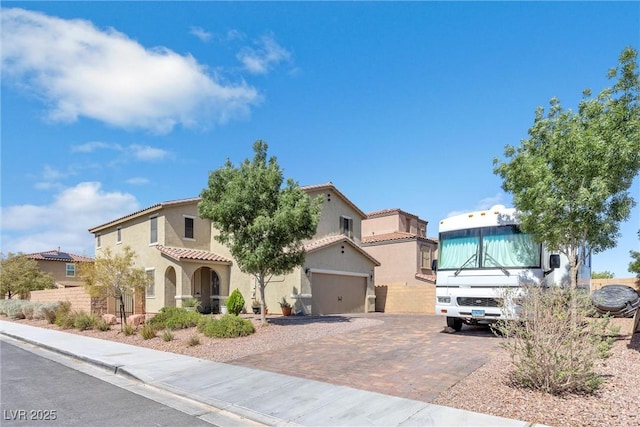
{"points": [[405, 355]]}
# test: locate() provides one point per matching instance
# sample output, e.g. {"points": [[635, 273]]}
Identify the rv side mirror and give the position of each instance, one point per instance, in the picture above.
{"points": [[554, 261], [434, 264]]}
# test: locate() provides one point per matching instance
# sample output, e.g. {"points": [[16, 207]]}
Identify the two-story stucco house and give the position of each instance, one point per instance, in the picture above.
{"points": [[61, 265], [183, 260], [398, 240]]}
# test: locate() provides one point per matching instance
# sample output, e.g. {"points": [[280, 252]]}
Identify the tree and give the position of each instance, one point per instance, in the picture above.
{"points": [[20, 275], [602, 275], [634, 265], [262, 222], [570, 178], [113, 275]]}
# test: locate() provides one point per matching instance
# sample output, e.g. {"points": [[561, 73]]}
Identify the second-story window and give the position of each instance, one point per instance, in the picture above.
{"points": [[188, 228], [153, 230], [98, 240], [427, 256], [119, 235], [346, 226]]}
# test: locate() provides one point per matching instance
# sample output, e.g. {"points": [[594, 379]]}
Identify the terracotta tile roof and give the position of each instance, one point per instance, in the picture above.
{"points": [[146, 210], [57, 255], [329, 186], [426, 277], [184, 254], [332, 240], [397, 235], [392, 211]]}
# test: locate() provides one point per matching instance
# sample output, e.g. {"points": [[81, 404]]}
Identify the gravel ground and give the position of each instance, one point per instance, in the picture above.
{"points": [[486, 390]]}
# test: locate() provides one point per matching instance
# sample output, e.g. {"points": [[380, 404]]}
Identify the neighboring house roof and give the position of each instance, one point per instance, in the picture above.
{"points": [[316, 245], [56, 255], [392, 211], [185, 254], [426, 277], [145, 211], [329, 186], [392, 237]]}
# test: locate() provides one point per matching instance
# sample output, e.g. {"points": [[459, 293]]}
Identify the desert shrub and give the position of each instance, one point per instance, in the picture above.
{"points": [[84, 321], [167, 335], [175, 318], [65, 318], [10, 307], [554, 343], [48, 312], [148, 331], [128, 329], [27, 311], [194, 340], [235, 302], [228, 326], [103, 326]]}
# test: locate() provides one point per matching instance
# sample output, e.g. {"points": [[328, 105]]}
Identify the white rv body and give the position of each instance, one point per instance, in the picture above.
{"points": [[483, 257]]}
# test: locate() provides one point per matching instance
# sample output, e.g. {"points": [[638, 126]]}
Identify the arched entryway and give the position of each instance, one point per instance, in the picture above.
{"points": [[205, 285], [170, 287]]}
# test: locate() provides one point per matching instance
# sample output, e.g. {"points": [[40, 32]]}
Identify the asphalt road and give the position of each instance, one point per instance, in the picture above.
{"points": [[37, 391]]}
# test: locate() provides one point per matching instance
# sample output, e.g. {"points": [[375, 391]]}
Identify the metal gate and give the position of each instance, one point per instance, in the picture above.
{"points": [[128, 306]]}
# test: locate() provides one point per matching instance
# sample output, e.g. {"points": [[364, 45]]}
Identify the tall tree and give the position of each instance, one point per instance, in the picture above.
{"points": [[114, 275], [262, 222], [20, 275], [634, 265], [570, 178]]}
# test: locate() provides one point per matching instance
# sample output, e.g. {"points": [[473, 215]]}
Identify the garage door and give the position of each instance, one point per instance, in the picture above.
{"points": [[335, 294]]}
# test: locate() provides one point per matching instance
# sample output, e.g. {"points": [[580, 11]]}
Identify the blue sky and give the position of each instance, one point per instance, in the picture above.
{"points": [[109, 107]]}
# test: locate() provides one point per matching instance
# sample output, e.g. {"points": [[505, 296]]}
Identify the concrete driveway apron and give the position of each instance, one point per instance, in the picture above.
{"points": [[403, 355]]}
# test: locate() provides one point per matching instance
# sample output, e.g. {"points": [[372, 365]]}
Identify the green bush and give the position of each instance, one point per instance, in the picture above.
{"points": [[554, 343], [103, 326], [167, 335], [148, 331], [228, 326], [235, 302], [84, 321], [175, 318], [128, 329]]}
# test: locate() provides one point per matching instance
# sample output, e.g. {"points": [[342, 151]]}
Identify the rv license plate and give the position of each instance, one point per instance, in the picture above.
{"points": [[477, 313]]}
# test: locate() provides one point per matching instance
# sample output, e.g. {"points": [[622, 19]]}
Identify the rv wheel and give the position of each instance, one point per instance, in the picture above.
{"points": [[454, 323]]}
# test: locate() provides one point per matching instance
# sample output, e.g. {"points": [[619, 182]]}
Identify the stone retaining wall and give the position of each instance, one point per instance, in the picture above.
{"points": [[406, 298]]}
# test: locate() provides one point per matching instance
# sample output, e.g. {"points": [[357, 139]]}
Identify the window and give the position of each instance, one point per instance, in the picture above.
{"points": [[426, 254], [151, 283], [119, 235], [97, 240], [71, 270], [346, 226], [188, 227], [153, 230]]}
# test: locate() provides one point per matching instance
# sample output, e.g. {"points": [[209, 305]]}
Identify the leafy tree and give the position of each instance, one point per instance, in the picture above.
{"points": [[113, 275], [634, 265], [261, 221], [602, 275], [20, 275], [570, 178]]}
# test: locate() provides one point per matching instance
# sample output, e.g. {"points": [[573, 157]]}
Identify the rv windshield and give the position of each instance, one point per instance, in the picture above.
{"points": [[496, 247]]}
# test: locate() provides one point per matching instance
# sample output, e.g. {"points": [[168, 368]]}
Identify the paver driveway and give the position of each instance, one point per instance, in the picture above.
{"points": [[403, 355]]}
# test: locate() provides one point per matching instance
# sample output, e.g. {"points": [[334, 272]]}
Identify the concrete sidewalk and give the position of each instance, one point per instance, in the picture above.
{"points": [[257, 396]]}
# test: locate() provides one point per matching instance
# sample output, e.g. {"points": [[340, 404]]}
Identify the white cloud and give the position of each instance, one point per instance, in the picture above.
{"points": [[90, 147], [137, 180], [146, 153], [265, 57], [481, 205], [200, 33], [80, 70], [64, 222]]}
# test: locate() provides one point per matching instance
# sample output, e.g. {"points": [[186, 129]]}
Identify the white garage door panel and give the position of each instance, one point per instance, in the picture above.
{"points": [[335, 294]]}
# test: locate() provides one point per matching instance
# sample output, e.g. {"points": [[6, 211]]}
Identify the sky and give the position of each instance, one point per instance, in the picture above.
{"points": [[111, 107]]}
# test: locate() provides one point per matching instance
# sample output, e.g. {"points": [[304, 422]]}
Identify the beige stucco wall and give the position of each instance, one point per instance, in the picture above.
{"points": [[333, 207], [406, 298], [380, 225], [399, 261], [58, 269]]}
